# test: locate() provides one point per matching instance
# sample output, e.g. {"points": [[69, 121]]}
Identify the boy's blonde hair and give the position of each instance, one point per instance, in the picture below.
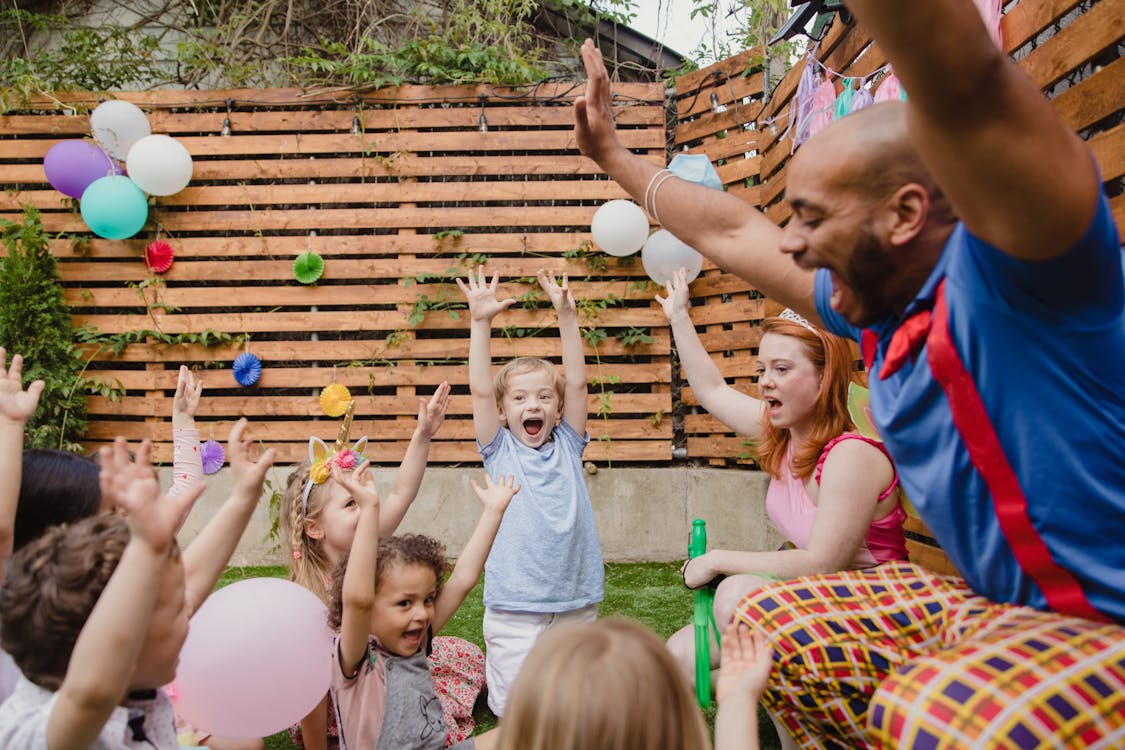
{"points": [[610, 684], [308, 562], [519, 366]]}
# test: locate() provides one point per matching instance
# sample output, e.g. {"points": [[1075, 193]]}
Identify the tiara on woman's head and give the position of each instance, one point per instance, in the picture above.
{"points": [[322, 458], [789, 314]]}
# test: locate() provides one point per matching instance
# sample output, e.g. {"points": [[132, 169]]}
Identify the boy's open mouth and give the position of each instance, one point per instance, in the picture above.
{"points": [[532, 426]]}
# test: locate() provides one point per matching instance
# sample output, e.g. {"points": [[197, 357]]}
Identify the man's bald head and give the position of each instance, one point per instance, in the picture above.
{"points": [[868, 153]]}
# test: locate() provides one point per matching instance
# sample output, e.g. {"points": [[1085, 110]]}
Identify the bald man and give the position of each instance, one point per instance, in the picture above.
{"points": [[963, 239]]}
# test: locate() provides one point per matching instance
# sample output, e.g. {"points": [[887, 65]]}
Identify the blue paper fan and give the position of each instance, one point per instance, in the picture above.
{"points": [[247, 369]]}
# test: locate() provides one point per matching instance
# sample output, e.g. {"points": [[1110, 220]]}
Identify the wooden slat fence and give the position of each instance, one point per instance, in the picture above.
{"points": [[1070, 49], [398, 190]]}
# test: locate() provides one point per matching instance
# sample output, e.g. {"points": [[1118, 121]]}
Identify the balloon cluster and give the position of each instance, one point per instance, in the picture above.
{"points": [[113, 205]]}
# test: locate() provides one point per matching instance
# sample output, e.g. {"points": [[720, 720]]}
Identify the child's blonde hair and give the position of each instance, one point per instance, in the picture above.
{"points": [[610, 684], [519, 366], [309, 564]]}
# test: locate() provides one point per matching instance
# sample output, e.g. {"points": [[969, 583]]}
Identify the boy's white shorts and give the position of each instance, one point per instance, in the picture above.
{"points": [[508, 638]]}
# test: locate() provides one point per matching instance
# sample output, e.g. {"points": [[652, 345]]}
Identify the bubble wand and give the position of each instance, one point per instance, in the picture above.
{"points": [[703, 618]]}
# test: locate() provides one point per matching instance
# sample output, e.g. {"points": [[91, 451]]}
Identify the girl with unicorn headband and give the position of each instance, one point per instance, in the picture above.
{"points": [[318, 521]]}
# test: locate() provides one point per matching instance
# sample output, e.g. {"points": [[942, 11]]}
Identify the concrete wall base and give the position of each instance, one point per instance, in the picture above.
{"points": [[642, 514]]}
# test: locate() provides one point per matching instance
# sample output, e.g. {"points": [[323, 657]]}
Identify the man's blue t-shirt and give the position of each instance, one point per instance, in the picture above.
{"points": [[1045, 345], [546, 557]]}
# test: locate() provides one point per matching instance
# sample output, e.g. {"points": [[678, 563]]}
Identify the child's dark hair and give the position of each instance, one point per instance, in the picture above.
{"points": [[408, 549], [52, 586], [55, 487]]}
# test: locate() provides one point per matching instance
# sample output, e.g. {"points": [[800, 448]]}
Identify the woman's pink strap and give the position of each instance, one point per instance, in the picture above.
{"points": [[871, 441]]}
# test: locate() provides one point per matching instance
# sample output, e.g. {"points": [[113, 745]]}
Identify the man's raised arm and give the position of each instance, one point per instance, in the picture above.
{"points": [[725, 229], [1013, 170]]}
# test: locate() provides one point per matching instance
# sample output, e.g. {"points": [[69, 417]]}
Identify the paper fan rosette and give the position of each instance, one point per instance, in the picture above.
{"points": [[247, 369], [859, 408], [308, 268], [334, 399], [213, 456], [159, 256]]}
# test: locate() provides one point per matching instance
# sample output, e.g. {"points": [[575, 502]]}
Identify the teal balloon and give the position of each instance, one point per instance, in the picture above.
{"points": [[114, 207]]}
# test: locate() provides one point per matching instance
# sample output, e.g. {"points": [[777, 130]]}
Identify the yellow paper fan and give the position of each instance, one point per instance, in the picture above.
{"points": [[334, 399]]}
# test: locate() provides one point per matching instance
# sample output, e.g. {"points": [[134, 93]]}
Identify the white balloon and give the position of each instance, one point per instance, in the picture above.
{"points": [[159, 164], [664, 254], [620, 227], [116, 125]]}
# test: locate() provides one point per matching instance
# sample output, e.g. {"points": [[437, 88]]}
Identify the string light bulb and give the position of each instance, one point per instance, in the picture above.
{"points": [[482, 121], [716, 107], [226, 120]]}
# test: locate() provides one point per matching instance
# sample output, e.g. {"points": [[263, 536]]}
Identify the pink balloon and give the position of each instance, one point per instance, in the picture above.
{"points": [[71, 166], [257, 659]]}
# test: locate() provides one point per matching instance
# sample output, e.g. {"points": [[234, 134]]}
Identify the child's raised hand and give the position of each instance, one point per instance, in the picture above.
{"points": [[360, 485], [432, 413], [135, 490], [481, 295], [745, 663], [676, 303], [186, 400], [496, 495], [560, 295], [247, 473], [16, 404], [119, 470]]}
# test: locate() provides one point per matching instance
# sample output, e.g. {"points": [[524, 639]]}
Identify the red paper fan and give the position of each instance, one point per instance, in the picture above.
{"points": [[158, 256]]}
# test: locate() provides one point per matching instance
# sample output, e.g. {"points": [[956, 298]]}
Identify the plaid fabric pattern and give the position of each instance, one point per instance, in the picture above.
{"points": [[897, 657]]}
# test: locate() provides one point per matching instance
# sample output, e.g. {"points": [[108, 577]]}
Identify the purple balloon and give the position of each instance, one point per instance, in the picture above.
{"points": [[72, 165]]}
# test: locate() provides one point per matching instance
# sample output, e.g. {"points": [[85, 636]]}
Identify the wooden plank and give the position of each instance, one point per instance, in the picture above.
{"points": [[365, 350], [1109, 151], [464, 117], [731, 66], [441, 453], [1095, 98], [1099, 27], [312, 144], [357, 193], [312, 217], [1023, 21]]}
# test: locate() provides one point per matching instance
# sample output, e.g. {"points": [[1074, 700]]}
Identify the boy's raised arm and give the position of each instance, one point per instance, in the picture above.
{"points": [[16, 408], [107, 648], [408, 478], [494, 498], [483, 307], [575, 407]]}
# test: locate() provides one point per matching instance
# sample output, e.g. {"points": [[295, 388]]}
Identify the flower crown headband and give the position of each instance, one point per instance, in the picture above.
{"points": [[322, 458]]}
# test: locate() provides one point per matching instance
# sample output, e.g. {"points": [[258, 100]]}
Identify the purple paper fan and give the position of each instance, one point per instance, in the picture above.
{"points": [[247, 369], [213, 456]]}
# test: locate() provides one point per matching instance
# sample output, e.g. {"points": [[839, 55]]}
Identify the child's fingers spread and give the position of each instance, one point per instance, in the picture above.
{"points": [[15, 372]]}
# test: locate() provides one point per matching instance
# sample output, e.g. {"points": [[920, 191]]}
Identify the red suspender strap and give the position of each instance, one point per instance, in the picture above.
{"points": [[1062, 591]]}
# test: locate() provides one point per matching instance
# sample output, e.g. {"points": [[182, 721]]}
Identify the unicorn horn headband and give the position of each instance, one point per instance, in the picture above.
{"points": [[322, 458]]}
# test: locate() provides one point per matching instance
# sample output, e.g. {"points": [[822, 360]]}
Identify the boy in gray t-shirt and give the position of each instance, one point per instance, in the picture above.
{"points": [[546, 564]]}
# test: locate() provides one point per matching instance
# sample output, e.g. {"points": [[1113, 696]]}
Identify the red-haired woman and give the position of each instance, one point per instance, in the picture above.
{"points": [[833, 493]]}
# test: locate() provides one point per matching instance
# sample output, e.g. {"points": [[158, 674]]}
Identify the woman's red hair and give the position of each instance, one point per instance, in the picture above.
{"points": [[833, 360]]}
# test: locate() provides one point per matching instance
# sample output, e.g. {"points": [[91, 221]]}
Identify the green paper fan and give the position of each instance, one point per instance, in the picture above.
{"points": [[308, 268], [859, 407]]}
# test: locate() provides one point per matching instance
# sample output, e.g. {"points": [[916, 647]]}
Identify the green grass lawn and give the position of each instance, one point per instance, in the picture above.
{"points": [[649, 593]]}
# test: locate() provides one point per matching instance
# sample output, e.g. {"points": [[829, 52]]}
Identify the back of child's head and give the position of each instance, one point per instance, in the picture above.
{"points": [[519, 366], [51, 588], [394, 551], [309, 563], [55, 487], [610, 684]]}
